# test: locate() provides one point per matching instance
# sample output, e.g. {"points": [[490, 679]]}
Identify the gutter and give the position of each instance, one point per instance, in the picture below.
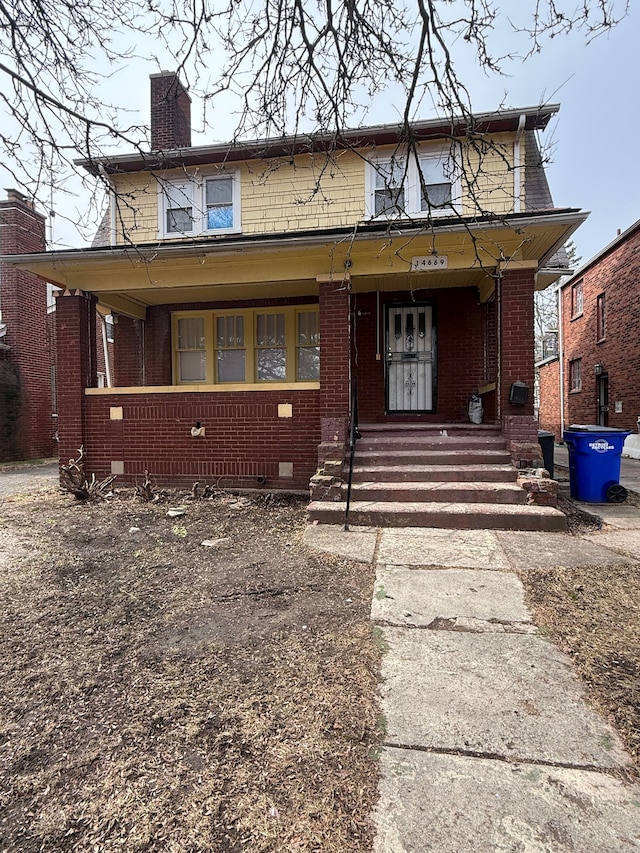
{"points": [[517, 164]]}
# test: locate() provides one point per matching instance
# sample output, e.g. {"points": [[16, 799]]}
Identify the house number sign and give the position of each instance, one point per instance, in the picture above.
{"points": [[429, 262]]}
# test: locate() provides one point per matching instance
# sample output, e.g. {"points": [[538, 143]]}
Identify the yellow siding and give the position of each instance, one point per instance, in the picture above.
{"points": [[301, 193], [308, 191], [136, 202], [488, 184]]}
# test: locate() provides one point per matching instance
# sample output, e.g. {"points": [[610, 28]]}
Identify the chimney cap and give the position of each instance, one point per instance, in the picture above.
{"points": [[16, 195]]}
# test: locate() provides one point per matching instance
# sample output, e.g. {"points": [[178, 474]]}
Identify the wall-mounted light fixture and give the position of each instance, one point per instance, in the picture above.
{"points": [[599, 368]]}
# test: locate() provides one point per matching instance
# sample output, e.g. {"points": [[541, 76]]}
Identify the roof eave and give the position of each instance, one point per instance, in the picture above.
{"points": [[536, 118]]}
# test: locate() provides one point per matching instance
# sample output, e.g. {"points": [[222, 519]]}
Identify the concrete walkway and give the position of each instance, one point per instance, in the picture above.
{"points": [[490, 744]]}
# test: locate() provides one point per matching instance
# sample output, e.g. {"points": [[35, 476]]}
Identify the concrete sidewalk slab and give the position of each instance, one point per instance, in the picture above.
{"points": [[453, 804], [357, 544], [625, 542], [526, 550], [431, 546], [496, 694], [624, 516], [416, 597]]}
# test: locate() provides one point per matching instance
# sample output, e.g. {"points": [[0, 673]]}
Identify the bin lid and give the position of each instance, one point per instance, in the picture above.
{"points": [[543, 433], [592, 428]]}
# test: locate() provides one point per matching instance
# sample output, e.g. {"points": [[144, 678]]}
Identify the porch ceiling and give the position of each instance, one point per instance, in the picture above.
{"points": [[129, 279]]}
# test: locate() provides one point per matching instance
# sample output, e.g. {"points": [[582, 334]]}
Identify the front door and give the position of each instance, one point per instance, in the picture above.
{"points": [[603, 399], [410, 358]]}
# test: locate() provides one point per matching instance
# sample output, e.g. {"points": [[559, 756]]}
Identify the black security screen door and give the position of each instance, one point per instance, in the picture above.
{"points": [[410, 358]]}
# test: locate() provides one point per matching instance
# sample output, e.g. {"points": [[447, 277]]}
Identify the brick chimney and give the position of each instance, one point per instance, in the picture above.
{"points": [[170, 113]]}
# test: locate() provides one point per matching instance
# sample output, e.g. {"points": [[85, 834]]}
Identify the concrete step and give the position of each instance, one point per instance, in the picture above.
{"points": [[390, 473], [434, 457], [426, 442], [438, 492], [461, 516], [426, 429]]}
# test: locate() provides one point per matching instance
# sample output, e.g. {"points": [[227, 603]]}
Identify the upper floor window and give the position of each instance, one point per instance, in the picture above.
{"points": [[410, 186], [201, 205], [247, 346], [601, 318], [576, 300]]}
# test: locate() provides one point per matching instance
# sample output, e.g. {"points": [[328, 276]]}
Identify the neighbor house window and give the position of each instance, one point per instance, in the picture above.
{"points": [[201, 205], [601, 317], [413, 186], [575, 375], [251, 346], [576, 300]]}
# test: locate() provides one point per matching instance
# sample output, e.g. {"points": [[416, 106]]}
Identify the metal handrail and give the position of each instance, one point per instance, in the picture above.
{"points": [[354, 435]]}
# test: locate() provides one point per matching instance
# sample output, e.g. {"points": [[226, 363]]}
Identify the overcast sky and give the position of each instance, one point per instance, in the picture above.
{"points": [[592, 143]]}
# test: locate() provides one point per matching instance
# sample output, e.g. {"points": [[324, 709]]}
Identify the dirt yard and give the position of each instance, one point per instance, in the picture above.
{"points": [[593, 614], [163, 694]]}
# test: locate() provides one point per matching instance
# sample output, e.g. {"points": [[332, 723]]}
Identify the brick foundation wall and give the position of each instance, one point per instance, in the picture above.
{"points": [[617, 275], [245, 438], [460, 353], [23, 302]]}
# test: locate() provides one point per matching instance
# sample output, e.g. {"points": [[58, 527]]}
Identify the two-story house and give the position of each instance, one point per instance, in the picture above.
{"points": [[255, 284], [593, 377]]}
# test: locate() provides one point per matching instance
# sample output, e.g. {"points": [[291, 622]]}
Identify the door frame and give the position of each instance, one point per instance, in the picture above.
{"points": [[602, 410], [426, 303]]}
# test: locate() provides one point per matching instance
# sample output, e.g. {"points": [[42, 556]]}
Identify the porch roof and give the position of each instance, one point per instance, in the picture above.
{"points": [[128, 279]]}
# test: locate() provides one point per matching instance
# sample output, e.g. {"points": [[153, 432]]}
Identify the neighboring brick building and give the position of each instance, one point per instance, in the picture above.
{"points": [[231, 265], [27, 420], [596, 372]]}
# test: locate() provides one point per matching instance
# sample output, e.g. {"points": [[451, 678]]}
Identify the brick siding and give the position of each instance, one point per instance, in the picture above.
{"points": [[617, 275], [23, 302]]}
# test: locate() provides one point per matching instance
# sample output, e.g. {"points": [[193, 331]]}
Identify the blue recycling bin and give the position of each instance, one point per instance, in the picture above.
{"points": [[594, 463]]}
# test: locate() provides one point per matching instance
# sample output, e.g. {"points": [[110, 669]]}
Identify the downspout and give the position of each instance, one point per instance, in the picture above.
{"points": [[561, 359], [105, 347], [517, 165]]}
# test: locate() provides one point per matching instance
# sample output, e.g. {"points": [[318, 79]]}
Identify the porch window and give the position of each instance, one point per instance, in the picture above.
{"points": [[575, 375], [191, 346], [251, 346], [271, 348], [199, 205], [231, 352], [308, 346]]}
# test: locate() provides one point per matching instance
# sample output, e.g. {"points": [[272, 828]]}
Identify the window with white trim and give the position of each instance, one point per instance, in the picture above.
{"points": [[252, 346], [415, 187], [575, 375], [201, 205]]}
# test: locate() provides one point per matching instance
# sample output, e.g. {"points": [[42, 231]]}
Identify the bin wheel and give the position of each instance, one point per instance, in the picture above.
{"points": [[616, 494]]}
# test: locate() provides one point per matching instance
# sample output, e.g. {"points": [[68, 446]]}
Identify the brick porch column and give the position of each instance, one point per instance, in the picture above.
{"points": [[76, 367], [517, 358], [334, 369]]}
